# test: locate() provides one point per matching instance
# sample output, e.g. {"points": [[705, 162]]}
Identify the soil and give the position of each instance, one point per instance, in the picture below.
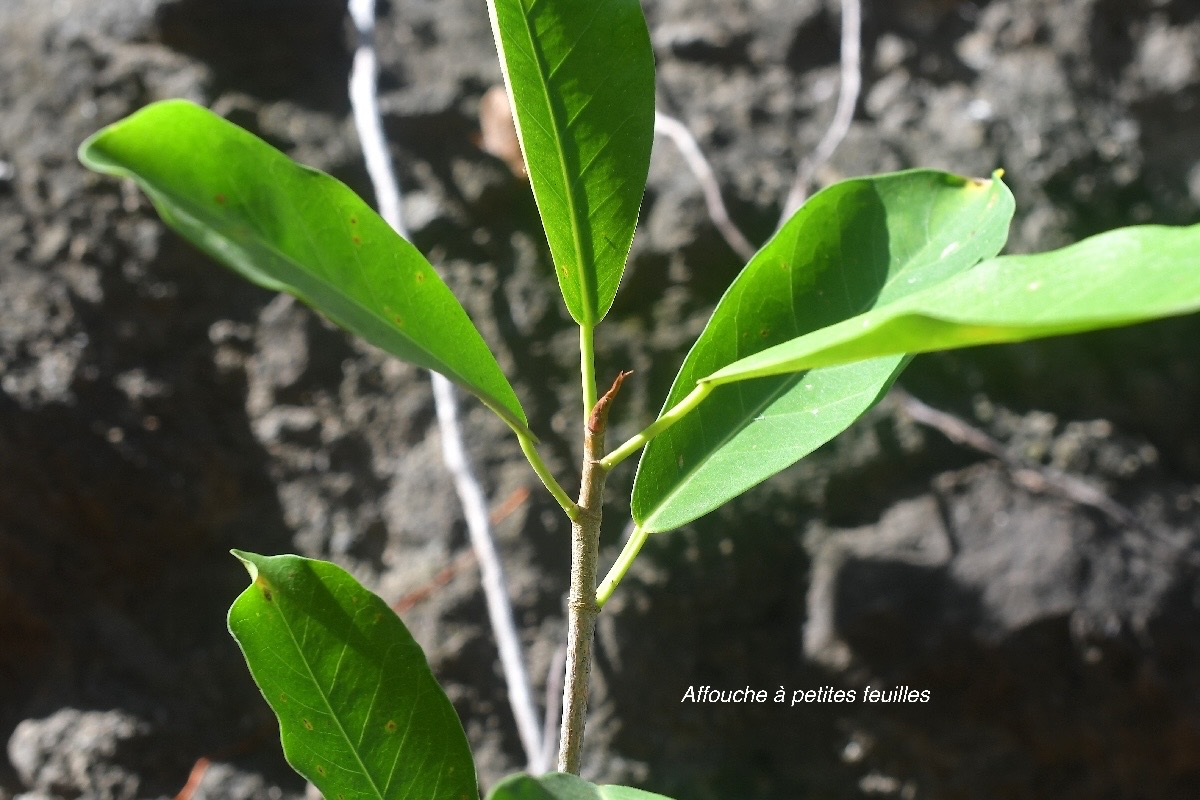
{"points": [[156, 411]]}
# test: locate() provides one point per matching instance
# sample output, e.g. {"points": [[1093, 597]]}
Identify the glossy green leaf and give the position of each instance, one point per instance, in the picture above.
{"points": [[1117, 278], [847, 248], [290, 228], [561, 786], [580, 74], [360, 714]]}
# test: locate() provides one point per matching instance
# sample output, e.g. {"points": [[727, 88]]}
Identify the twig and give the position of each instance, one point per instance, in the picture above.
{"points": [[1041, 480], [509, 505], [387, 191], [411, 599], [678, 133], [201, 766], [843, 115], [415, 597], [195, 778]]}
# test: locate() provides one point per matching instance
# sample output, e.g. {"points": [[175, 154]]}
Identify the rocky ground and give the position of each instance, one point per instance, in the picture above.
{"points": [[156, 411]]}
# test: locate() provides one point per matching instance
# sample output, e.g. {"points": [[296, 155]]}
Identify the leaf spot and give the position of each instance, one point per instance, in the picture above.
{"points": [[219, 199], [307, 725], [420, 277], [399, 320], [765, 332], [283, 698], [320, 770], [357, 239], [268, 595], [354, 220], [390, 726]]}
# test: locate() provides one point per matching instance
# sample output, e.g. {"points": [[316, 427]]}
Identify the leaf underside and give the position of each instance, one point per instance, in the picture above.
{"points": [[561, 786], [1117, 278], [580, 74], [850, 246], [293, 229], [360, 714]]}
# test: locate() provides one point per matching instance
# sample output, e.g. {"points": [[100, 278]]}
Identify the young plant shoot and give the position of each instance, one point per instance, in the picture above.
{"points": [[811, 334]]}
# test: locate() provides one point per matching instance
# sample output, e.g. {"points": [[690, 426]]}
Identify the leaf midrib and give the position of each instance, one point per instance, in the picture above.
{"points": [[587, 291], [921, 254], [197, 213], [328, 705], [918, 306]]}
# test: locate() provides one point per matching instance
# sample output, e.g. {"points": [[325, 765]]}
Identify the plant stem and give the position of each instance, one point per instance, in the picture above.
{"points": [[664, 421], [628, 553], [587, 368], [581, 611], [581, 600], [543, 472]]}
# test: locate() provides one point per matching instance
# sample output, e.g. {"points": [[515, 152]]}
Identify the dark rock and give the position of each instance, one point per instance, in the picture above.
{"points": [[1033, 628], [156, 411]]}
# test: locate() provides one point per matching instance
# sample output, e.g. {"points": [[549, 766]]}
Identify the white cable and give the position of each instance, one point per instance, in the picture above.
{"points": [[470, 493], [678, 133], [364, 102], [843, 115]]}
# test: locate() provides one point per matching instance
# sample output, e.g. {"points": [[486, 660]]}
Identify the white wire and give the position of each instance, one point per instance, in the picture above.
{"points": [[363, 100], [689, 148], [843, 115]]}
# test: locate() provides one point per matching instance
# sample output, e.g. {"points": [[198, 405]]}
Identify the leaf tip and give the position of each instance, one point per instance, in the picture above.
{"points": [[984, 183], [83, 152], [91, 155], [249, 561]]}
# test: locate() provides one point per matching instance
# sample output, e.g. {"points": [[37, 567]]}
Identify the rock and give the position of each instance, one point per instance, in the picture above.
{"points": [[71, 752], [156, 411], [221, 781]]}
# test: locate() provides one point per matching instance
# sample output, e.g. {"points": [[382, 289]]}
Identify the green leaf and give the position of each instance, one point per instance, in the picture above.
{"points": [[1117, 278], [360, 714], [848, 247], [561, 786], [580, 74], [293, 229]]}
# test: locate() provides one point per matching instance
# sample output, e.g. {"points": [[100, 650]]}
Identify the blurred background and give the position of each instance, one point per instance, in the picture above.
{"points": [[156, 411]]}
